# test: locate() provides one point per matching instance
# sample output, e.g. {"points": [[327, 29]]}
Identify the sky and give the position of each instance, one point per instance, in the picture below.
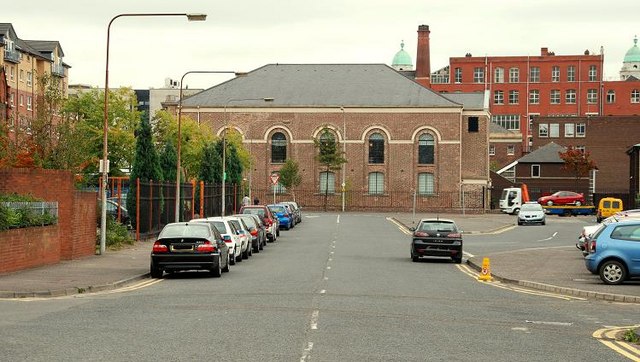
{"points": [[244, 35]]}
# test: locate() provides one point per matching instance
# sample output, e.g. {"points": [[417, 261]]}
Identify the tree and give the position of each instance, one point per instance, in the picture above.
{"points": [[211, 165], [168, 162], [290, 176], [577, 162], [146, 164], [328, 155]]}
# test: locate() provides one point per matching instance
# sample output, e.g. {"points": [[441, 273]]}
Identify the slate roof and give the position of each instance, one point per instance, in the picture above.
{"points": [[322, 85], [27, 46], [46, 46], [471, 100], [545, 154]]}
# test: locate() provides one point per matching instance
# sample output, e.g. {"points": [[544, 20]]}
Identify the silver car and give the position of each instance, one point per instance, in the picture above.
{"points": [[531, 213]]}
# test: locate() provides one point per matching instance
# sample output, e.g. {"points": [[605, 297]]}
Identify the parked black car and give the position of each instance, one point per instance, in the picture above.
{"points": [[436, 237], [189, 246]]}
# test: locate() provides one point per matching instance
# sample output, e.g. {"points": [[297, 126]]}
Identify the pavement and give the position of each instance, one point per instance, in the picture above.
{"points": [[557, 270]]}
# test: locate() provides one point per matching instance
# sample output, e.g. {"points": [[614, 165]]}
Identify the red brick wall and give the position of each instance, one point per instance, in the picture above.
{"points": [[29, 247], [76, 229]]}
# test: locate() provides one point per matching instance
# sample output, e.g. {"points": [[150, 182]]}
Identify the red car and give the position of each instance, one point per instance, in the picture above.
{"points": [[562, 198]]}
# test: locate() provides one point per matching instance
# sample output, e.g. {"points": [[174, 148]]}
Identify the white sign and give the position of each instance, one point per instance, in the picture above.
{"points": [[274, 178]]}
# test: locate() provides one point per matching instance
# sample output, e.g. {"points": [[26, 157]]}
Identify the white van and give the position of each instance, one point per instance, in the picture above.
{"points": [[511, 200]]}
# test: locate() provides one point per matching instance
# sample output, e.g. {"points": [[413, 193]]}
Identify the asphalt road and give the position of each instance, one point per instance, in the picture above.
{"points": [[335, 288]]}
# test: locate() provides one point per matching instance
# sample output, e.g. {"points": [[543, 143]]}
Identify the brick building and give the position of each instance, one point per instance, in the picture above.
{"points": [[24, 61], [523, 87], [398, 136]]}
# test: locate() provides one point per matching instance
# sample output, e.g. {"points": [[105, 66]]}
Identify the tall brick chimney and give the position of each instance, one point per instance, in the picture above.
{"points": [[423, 58]]}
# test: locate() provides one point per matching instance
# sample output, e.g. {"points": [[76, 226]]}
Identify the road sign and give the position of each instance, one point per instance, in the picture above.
{"points": [[274, 178]]}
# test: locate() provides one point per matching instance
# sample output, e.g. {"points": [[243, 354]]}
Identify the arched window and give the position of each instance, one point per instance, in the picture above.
{"points": [[376, 183], [327, 182], [327, 141], [278, 148], [425, 149], [376, 148], [425, 183]]}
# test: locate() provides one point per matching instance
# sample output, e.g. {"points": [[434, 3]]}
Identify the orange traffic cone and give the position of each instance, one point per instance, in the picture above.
{"points": [[485, 272]]}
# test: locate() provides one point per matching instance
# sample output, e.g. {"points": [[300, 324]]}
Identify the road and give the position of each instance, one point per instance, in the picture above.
{"points": [[334, 288]]}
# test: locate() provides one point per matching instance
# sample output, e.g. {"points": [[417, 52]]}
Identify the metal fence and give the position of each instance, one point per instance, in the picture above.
{"points": [[35, 207]]}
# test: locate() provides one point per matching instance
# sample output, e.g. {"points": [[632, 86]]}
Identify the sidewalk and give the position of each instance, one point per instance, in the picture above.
{"points": [[559, 270]]}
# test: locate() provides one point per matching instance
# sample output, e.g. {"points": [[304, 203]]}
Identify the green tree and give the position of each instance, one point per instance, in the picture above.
{"points": [[168, 162], [577, 162], [328, 155], [146, 164], [211, 165], [290, 176]]}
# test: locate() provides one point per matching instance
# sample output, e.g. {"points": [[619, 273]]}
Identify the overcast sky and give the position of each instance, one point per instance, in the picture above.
{"points": [[243, 35]]}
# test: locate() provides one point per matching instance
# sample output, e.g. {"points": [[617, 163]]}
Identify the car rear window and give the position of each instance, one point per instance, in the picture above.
{"points": [[179, 230], [437, 226], [222, 228], [254, 211]]}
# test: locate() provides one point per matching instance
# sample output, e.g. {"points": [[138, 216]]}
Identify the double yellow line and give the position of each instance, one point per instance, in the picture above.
{"points": [[608, 337]]}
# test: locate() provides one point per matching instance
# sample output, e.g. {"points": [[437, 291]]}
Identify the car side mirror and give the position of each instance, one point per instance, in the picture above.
{"points": [[412, 228]]}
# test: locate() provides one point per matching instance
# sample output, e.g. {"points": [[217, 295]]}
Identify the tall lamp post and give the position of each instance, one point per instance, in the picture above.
{"points": [[224, 144], [105, 130], [344, 154], [179, 141]]}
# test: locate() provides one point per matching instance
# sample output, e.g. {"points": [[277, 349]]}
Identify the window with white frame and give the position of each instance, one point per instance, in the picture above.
{"points": [[21, 75], [458, 75], [534, 74], [554, 130], [611, 96], [29, 79], [593, 73], [635, 96], [555, 96], [514, 97], [581, 148], [592, 96], [581, 129], [569, 130], [426, 148], [21, 100], [570, 96], [543, 130], [507, 121], [11, 100], [555, 73], [425, 183], [478, 75], [498, 97], [511, 150], [571, 73], [376, 183], [514, 75], [535, 170], [327, 182], [29, 103], [498, 75], [12, 71], [492, 150], [534, 96]]}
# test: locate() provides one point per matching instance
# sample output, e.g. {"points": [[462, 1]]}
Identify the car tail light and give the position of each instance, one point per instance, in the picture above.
{"points": [[254, 232], [420, 233], [454, 235], [227, 238], [206, 247], [158, 247], [592, 246]]}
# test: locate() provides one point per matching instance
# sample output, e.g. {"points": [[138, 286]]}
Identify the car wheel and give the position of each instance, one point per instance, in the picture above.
{"points": [[262, 244], [544, 222], [515, 211], [155, 272], [457, 259], [226, 268], [277, 234], [519, 222], [257, 248], [239, 257], [233, 258], [549, 203], [216, 272], [613, 272], [245, 254], [414, 257], [578, 203]]}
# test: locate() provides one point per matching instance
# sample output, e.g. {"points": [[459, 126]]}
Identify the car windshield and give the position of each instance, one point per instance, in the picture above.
{"points": [[437, 226], [531, 207], [189, 230]]}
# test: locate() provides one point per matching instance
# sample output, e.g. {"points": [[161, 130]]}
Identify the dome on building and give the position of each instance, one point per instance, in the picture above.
{"points": [[402, 59], [633, 54]]}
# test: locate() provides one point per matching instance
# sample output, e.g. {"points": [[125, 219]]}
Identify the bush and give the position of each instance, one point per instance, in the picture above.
{"points": [[11, 218], [117, 235]]}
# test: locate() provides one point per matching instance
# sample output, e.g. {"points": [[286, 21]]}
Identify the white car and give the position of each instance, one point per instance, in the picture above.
{"points": [[244, 233], [230, 235], [531, 213]]}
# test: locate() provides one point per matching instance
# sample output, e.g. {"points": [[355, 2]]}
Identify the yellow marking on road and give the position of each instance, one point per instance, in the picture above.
{"points": [[607, 336], [400, 226], [473, 274]]}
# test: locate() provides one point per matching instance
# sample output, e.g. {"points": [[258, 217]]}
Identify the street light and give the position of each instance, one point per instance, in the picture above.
{"points": [[179, 141], [105, 130], [344, 154], [224, 143]]}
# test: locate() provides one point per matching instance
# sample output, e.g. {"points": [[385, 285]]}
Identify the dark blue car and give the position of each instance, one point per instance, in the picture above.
{"points": [[281, 212]]}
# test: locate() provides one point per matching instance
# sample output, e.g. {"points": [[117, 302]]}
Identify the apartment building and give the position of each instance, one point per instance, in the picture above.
{"points": [[22, 63]]}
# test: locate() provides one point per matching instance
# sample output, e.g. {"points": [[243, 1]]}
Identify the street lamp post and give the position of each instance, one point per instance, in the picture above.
{"points": [[105, 130], [179, 141], [344, 154], [224, 144]]}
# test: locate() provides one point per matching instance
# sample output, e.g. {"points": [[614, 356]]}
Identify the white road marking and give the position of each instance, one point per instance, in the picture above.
{"points": [[314, 319], [549, 238], [323, 291], [550, 323], [328, 267], [306, 352], [338, 220], [132, 287], [469, 255]]}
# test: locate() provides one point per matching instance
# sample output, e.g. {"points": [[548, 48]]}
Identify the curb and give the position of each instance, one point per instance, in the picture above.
{"points": [[72, 291], [562, 290]]}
